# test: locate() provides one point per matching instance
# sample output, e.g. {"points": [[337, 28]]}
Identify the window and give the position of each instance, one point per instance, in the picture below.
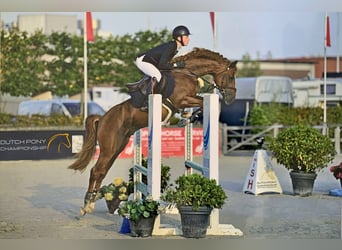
{"points": [[75, 108], [331, 89], [56, 109], [95, 109]]}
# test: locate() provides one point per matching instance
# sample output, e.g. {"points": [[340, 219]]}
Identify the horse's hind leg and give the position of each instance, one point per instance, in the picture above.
{"points": [[100, 170], [97, 173]]}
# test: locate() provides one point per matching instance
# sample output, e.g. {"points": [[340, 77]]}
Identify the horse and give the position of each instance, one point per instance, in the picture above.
{"points": [[113, 130]]}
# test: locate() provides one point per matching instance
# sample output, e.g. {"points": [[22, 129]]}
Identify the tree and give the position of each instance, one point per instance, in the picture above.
{"points": [[22, 67], [35, 63], [128, 47], [249, 68], [64, 64]]}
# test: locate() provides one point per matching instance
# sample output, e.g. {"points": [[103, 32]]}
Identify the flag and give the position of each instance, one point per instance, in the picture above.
{"points": [[327, 32], [212, 19], [89, 27]]}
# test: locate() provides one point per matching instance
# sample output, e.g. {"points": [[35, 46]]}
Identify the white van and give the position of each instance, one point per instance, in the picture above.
{"points": [[57, 107], [108, 97]]}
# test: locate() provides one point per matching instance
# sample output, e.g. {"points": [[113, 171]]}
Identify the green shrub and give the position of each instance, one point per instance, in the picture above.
{"points": [[302, 148], [197, 191]]}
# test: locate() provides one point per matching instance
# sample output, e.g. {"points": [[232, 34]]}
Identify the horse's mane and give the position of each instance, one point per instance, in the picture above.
{"points": [[202, 53]]}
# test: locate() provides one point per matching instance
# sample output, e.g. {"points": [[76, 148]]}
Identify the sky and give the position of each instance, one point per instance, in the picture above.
{"points": [[260, 33]]}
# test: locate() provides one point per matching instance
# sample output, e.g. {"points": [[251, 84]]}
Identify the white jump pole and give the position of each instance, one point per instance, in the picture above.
{"points": [[210, 165], [211, 137], [154, 160], [154, 145]]}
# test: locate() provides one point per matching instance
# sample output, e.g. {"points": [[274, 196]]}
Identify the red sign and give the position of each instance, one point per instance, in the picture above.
{"points": [[173, 143]]}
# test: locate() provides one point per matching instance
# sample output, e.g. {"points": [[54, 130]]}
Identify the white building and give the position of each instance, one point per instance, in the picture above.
{"points": [[310, 93], [48, 23]]}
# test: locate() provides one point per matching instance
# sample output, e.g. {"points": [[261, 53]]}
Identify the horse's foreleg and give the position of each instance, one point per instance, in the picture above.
{"points": [[196, 115], [191, 102]]}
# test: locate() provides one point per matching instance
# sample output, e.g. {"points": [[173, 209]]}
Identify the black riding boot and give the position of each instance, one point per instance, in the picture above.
{"points": [[149, 90]]}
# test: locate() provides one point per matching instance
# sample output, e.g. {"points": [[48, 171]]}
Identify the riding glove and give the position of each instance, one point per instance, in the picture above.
{"points": [[179, 64]]}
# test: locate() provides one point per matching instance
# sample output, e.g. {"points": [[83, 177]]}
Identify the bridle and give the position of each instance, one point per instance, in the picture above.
{"points": [[221, 89], [213, 85]]}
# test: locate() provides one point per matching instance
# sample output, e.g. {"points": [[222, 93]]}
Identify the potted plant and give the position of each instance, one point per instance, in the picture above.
{"points": [[141, 214], [115, 192], [304, 151], [195, 196], [119, 190]]}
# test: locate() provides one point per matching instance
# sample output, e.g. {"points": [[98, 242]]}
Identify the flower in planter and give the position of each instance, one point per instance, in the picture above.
{"points": [[118, 189], [337, 171]]}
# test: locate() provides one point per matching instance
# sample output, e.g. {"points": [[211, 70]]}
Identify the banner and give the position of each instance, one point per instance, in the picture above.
{"points": [[173, 143], [60, 144], [38, 145]]}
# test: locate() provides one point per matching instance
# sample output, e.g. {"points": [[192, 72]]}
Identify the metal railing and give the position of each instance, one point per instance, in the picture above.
{"points": [[244, 137]]}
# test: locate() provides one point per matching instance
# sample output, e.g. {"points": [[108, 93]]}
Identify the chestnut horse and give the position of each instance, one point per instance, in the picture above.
{"points": [[114, 129]]}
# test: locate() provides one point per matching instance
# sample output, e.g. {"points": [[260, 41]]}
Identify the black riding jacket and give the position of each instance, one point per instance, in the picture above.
{"points": [[161, 55]]}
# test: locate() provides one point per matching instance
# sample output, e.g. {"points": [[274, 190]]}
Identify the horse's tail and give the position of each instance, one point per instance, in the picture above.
{"points": [[89, 144]]}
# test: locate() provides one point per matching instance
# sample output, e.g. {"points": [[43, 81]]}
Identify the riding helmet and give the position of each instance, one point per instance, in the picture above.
{"points": [[180, 31]]}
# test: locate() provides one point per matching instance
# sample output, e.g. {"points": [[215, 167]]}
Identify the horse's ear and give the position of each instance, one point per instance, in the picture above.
{"points": [[232, 65]]}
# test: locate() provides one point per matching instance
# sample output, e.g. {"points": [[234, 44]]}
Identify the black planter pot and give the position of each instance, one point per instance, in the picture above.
{"points": [[142, 227], [113, 205], [302, 183], [194, 223]]}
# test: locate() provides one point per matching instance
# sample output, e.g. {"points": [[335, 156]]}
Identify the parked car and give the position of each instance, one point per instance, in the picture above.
{"points": [[57, 107]]}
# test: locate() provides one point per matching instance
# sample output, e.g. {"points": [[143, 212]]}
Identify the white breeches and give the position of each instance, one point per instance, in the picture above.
{"points": [[148, 68]]}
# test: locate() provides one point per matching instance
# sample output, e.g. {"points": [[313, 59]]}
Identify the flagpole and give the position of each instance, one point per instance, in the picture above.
{"points": [[85, 65], [212, 16], [215, 33], [325, 75], [337, 44], [325, 93]]}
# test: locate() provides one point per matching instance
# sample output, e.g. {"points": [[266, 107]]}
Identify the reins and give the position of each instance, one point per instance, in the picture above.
{"points": [[212, 85]]}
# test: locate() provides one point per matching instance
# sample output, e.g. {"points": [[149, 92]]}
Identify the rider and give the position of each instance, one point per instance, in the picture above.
{"points": [[159, 57]]}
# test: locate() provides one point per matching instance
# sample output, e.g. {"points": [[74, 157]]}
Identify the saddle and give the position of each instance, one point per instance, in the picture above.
{"points": [[140, 90], [141, 85]]}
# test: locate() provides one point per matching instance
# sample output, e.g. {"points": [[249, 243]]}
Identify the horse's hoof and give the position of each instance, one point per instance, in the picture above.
{"points": [[83, 211], [91, 207], [193, 119]]}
